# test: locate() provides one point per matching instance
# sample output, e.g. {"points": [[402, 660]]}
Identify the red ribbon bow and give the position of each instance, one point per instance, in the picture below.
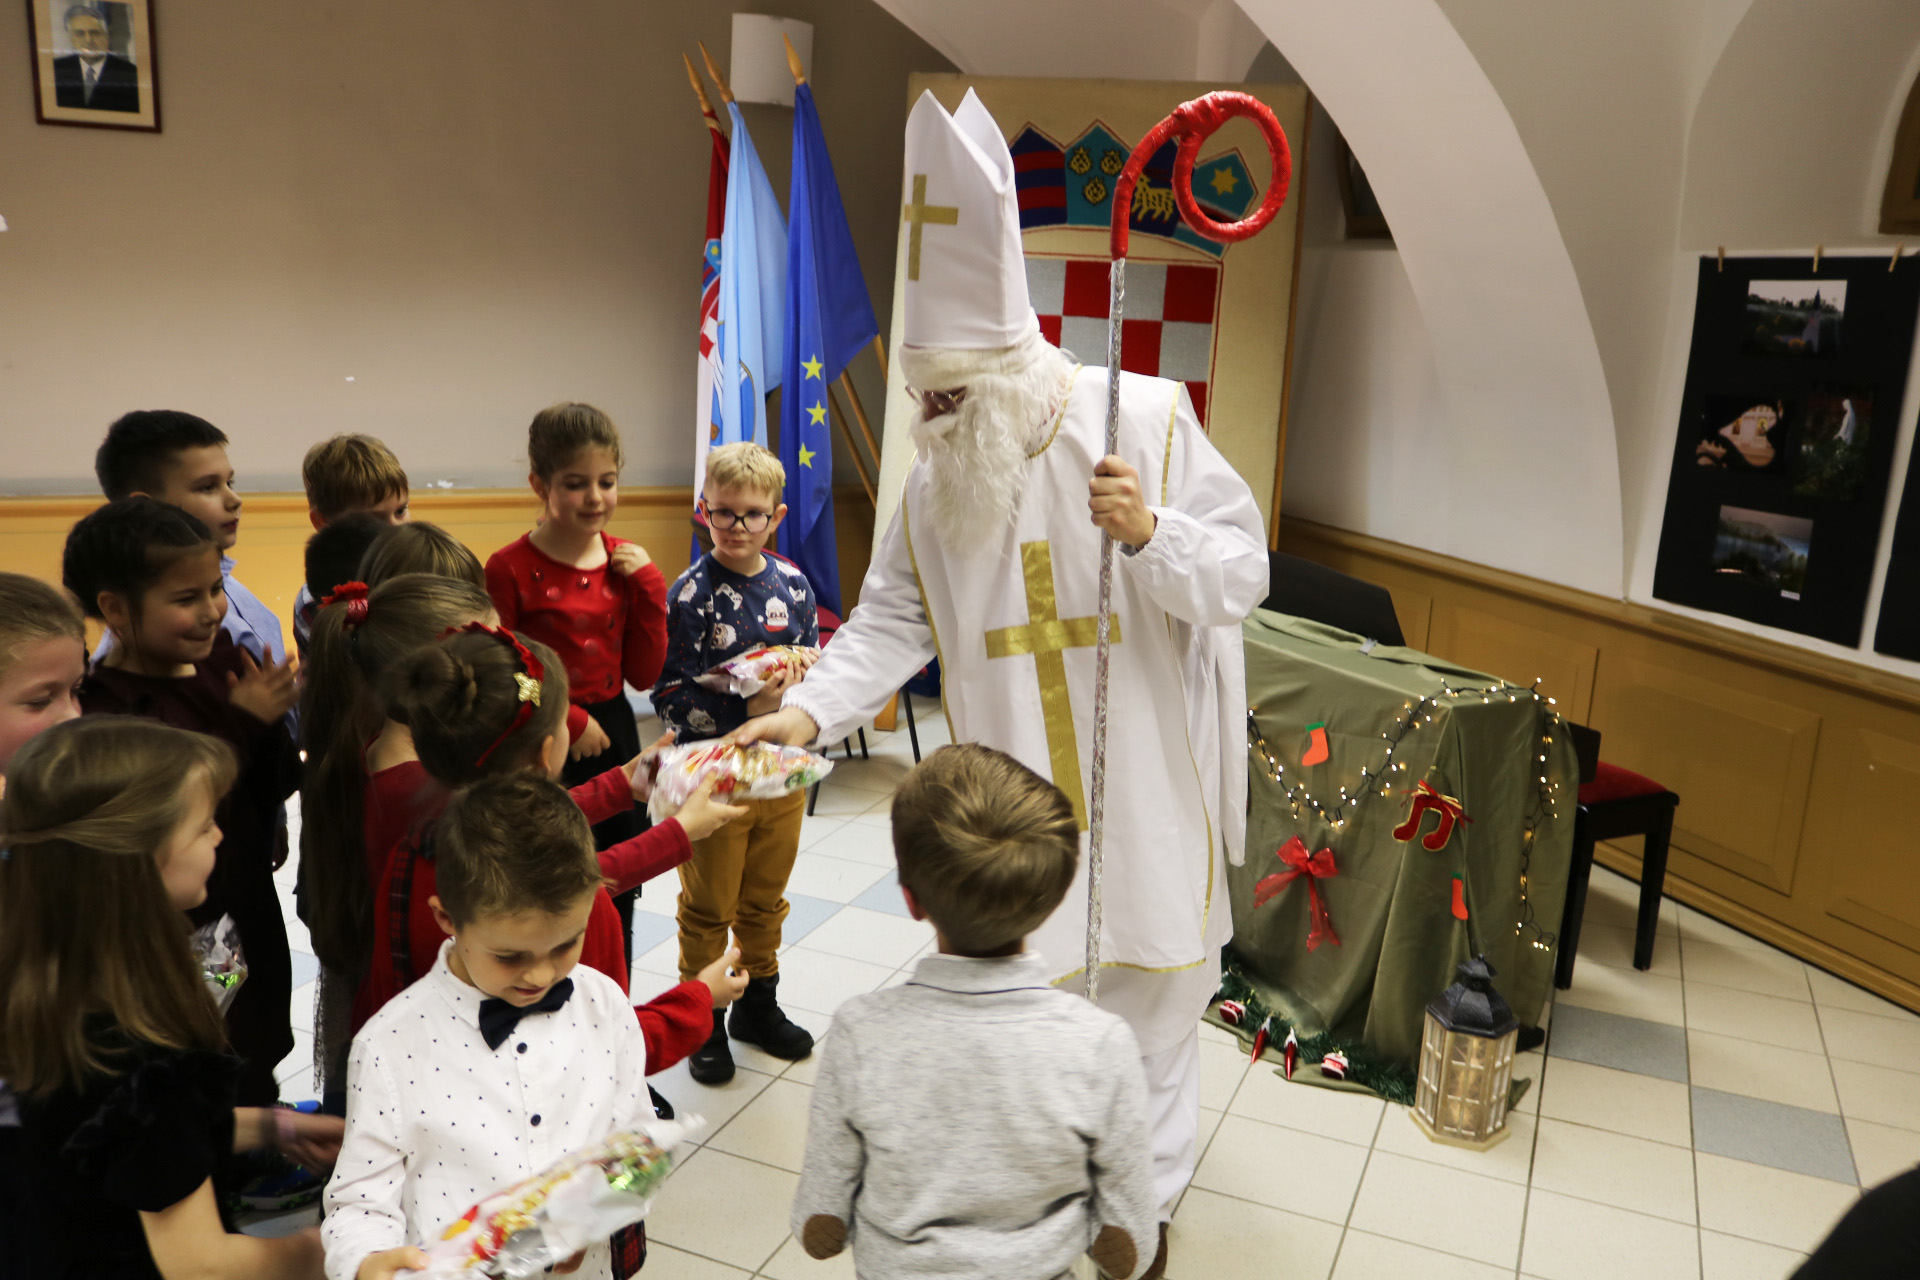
{"points": [[1313, 866], [1425, 798], [354, 596]]}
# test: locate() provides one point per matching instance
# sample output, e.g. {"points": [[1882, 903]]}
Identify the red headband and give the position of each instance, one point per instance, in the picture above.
{"points": [[354, 596], [527, 682]]}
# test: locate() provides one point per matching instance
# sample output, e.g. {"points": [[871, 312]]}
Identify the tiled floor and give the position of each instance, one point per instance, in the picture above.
{"points": [[1706, 1120]]}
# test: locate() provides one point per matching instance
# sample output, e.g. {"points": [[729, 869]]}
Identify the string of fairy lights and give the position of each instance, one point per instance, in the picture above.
{"points": [[1376, 780]]}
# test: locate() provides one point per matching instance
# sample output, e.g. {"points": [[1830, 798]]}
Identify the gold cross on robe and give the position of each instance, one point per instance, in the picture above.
{"points": [[1047, 636], [917, 215]]}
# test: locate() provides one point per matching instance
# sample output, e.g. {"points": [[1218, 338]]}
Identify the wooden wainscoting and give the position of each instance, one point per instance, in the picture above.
{"points": [[1798, 774], [274, 529]]}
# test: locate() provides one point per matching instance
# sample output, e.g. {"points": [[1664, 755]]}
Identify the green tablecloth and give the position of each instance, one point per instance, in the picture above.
{"points": [[1391, 902]]}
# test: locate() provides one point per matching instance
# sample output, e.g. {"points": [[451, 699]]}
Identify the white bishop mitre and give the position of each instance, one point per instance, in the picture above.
{"points": [[966, 280]]}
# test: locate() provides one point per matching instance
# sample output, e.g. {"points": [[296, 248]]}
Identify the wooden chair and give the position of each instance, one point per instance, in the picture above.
{"points": [[1614, 803]]}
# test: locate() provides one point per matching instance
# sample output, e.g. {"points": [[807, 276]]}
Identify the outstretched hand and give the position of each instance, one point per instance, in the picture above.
{"points": [[266, 693], [639, 770], [702, 815], [1116, 503], [789, 726]]}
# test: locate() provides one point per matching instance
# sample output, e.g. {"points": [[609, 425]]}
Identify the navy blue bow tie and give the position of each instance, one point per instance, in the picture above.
{"points": [[499, 1017]]}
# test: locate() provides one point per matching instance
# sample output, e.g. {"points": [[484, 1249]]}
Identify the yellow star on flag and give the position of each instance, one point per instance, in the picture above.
{"points": [[817, 414], [812, 367], [1224, 182], [806, 456]]}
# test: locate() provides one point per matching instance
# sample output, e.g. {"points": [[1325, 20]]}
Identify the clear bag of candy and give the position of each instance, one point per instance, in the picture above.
{"points": [[579, 1201], [757, 771], [748, 673], [223, 965]]}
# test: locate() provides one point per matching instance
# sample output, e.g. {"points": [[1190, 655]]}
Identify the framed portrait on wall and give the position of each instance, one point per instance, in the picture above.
{"points": [[94, 63]]}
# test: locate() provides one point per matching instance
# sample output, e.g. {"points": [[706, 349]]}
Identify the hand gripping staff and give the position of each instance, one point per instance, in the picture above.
{"points": [[1192, 122]]}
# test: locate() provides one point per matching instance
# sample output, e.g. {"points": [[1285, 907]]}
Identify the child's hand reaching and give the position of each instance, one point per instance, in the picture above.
{"points": [[725, 984], [702, 815], [590, 743], [391, 1262], [629, 558], [639, 769], [767, 701], [268, 692]]}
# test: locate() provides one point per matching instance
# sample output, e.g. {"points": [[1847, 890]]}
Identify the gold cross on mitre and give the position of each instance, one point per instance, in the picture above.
{"points": [[917, 215], [1047, 636]]}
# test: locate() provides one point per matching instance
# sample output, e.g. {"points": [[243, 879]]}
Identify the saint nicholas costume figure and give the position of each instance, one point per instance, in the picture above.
{"points": [[991, 563]]}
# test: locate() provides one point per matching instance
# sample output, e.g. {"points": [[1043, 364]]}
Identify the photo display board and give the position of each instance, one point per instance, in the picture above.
{"points": [[1898, 634], [1786, 439]]}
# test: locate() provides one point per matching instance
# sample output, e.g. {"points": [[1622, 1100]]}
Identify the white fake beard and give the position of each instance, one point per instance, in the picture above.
{"points": [[977, 455]]}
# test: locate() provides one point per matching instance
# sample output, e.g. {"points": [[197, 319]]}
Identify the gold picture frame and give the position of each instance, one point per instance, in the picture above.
{"points": [[1900, 200], [94, 63]]}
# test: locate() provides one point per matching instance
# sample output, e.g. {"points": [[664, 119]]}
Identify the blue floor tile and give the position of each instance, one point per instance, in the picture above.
{"points": [[1771, 1133], [1625, 1044], [804, 915], [650, 930], [884, 895], [305, 969]]}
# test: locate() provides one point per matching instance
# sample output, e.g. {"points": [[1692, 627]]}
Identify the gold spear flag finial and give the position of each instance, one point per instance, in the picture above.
{"points": [[793, 60], [726, 94], [700, 92]]}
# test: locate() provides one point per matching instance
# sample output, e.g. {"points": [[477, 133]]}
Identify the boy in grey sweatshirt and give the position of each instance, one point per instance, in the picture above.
{"points": [[975, 1122]]}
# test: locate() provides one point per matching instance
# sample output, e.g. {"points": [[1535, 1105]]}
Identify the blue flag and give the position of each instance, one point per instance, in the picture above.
{"points": [[753, 247], [829, 319]]}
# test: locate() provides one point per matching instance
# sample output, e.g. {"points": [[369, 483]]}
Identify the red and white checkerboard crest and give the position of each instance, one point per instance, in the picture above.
{"points": [[1167, 329]]}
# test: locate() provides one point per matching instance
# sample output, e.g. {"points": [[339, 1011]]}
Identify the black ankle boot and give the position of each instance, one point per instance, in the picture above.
{"points": [[712, 1062], [758, 1020]]}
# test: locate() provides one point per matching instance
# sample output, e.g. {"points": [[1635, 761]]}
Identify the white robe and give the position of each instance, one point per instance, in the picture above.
{"points": [[1176, 776]]}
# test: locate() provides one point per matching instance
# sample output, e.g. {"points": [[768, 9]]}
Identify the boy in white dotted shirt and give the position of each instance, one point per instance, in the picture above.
{"points": [[504, 1057]]}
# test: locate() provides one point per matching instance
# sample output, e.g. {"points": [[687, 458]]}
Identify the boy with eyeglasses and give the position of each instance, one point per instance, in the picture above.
{"points": [[736, 598]]}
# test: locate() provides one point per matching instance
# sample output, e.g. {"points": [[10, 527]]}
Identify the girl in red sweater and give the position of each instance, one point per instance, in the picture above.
{"points": [[485, 701], [598, 601]]}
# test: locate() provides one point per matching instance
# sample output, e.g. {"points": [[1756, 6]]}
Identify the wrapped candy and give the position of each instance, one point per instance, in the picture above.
{"points": [[757, 771], [223, 965], [1335, 1066], [1232, 1012], [748, 673], [580, 1200]]}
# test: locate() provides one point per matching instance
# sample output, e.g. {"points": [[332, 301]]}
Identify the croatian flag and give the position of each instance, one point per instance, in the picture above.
{"points": [[706, 403]]}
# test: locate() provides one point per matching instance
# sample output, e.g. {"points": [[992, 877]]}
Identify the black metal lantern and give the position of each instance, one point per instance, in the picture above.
{"points": [[1466, 1061]]}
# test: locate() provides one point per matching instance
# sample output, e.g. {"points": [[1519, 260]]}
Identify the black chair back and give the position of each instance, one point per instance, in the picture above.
{"points": [[1586, 749], [1313, 591]]}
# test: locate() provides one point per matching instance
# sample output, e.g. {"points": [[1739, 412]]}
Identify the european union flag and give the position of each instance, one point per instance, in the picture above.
{"points": [[829, 318], [753, 251]]}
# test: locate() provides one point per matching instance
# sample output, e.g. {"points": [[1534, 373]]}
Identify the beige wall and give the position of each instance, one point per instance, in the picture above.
{"points": [[422, 220]]}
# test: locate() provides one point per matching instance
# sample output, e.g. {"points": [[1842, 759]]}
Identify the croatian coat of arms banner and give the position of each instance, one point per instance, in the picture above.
{"points": [[1211, 316]]}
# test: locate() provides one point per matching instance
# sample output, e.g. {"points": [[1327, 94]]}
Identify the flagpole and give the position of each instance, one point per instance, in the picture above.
{"points": [[859, 464], [706, 104], [720, 81], [860, 415], [880, 354]]}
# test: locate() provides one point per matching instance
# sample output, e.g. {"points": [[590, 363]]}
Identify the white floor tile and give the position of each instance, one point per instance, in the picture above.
{"points": [[834, 879], [1215, 1237], [300, 1012], [1244, 1155], [876, 937], [714, 1103], [1613, 1169], [1880, 1151], [1756, 1202], [664, 1262], [1761, 1071], [1878, 1094], [1222, 1068], [1508, 1160], [792, 1263], [1830, 992], [1573, 1239], [1627, 992], [818, 981], [1616, 900], [1623, 1101], [1877, 1041], [1748, 1015], [1610, 945], [1761, 969], [840, 801], [1428, 1204], [1332, 1113], [1695, 927], [858, 841], [1364, 1256], [1724, 1257], [725, 1208], [771, 1129]]}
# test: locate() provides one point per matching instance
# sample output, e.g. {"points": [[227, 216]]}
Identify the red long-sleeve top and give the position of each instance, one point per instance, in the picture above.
{"points": [[402, 804], [606, 627]]}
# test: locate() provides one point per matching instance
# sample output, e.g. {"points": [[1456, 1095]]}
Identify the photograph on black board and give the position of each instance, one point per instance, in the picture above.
{"points": [[1764, 548], [1795, 317], [1830, 461], [1743, 433]]}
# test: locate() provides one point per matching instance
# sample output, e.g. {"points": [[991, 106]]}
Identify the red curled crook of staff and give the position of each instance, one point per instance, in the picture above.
{"points": [[1193, 122]]}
